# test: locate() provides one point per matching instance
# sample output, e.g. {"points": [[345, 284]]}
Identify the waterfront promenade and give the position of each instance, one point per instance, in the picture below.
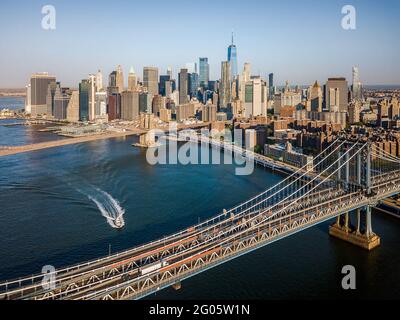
{"points": [[7, 151]]}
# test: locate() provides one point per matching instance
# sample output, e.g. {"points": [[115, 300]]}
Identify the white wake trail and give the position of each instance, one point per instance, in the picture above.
{"points": [[109, 207]]}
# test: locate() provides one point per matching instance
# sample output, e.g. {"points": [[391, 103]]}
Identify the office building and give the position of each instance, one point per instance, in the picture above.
{"points": [[232, 59], [39, 84], [183, 86], [73, 107], [336, 94], [132, 80], [129, 105], [225, 85], [84, 92], [150, 80], [120, 79], [204, 72]]}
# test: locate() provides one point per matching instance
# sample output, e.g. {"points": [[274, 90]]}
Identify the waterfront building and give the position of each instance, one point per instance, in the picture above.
{"points": [[101, 104], [84, 92], [289, 155], [92, 97], [73, 107], [61, 102], [28, 102], [204, 72], [39, 83], [150, 80], [51, 91]]}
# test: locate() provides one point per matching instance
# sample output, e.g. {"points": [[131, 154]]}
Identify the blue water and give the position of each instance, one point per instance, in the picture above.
{"points": [[12, 103], [45, 219]]}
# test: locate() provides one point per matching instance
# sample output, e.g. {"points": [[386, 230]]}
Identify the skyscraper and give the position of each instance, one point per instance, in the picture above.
{"points": [[193, 84], [225, 86], [271, 86], [183, 86], [315, 97], [150, 80], [336, 94], [204, 75], [163, 83], [99, 80], [112, 79], [51, 91], [92, 97], [132, 80], [39, 86], [232, 59], [356, 86], [84, 89], [120, 79], [28, 105], [129, 105]]}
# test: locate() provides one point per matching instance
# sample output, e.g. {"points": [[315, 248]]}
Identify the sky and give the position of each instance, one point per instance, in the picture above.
{"points": [[298, 40]]}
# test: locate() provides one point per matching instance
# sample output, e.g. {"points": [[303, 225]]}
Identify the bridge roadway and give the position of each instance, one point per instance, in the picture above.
{"points": [[196, 249]]}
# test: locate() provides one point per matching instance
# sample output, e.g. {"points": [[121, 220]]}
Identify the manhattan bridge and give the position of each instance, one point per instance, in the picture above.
{"points": [[347, 177]]}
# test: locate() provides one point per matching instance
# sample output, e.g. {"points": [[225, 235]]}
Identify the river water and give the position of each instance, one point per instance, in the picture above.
{"points": [[48, 217]]}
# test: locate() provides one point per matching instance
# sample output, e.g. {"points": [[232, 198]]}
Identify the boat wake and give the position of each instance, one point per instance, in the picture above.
{"points": [[109, 207]]}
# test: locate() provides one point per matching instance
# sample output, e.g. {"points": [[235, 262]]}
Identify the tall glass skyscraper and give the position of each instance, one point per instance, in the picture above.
{"points": [[204, 76], [232, 59], [84, 88], [271, 86]]}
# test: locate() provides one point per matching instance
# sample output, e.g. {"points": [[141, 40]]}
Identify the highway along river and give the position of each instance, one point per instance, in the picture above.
{"points": [[54, 207]]}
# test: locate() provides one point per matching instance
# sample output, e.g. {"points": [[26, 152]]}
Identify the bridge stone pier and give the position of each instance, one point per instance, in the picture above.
{"points": [[343, 230]]}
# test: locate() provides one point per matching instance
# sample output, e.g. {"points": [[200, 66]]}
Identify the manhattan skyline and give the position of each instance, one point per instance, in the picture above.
{"points": [[284, 38]]}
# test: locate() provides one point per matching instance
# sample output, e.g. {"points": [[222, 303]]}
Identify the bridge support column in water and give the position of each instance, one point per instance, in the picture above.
{"points": [[367, 240], [177, 286]]}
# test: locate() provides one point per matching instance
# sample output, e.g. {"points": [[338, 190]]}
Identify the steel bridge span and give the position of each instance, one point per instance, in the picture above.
{"points": [[345, 177]]}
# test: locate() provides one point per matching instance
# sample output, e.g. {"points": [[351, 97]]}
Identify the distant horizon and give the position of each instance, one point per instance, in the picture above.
{"points": [[299, 41]]}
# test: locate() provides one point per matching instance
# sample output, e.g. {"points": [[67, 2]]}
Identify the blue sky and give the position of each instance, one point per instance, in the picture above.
{"points": [[299, 40]]}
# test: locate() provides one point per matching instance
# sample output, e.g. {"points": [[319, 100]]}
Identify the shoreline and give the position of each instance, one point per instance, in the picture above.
{"points": [[8, 151]]}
